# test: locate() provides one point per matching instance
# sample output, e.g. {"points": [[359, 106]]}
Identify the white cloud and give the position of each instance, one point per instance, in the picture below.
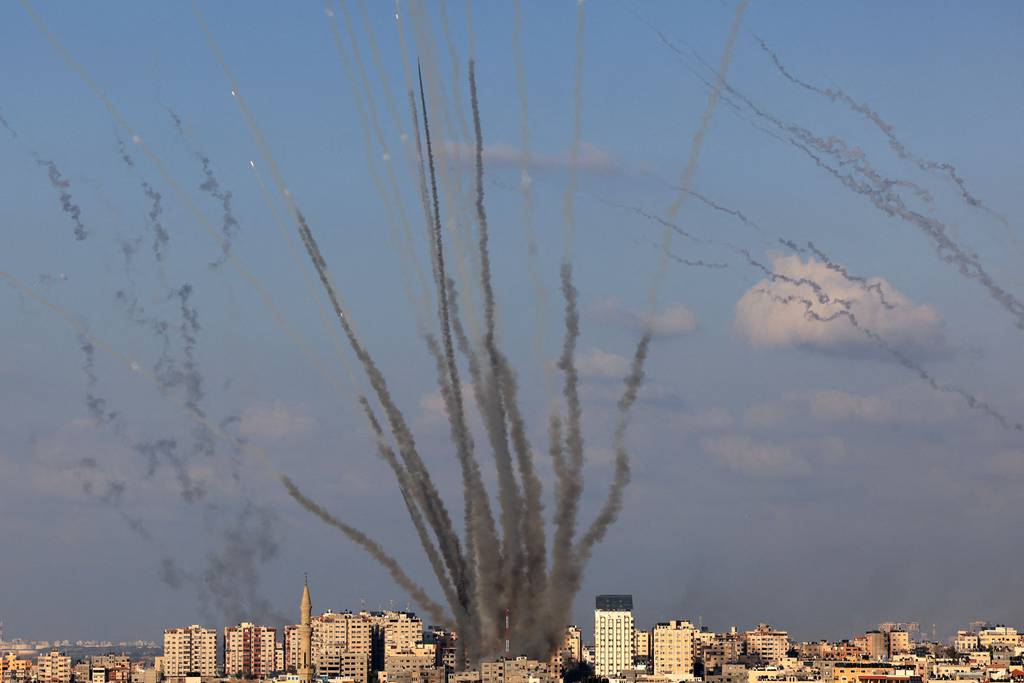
{"points": [[433, 410], [899, 406], [592, 158], [710, 420], [600, 364], [756, 459], [274, 420], [765, 320], [673, 321], [1007, 463]]}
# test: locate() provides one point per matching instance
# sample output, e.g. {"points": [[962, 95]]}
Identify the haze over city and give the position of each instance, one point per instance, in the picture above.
{"points": [[760, 263]]}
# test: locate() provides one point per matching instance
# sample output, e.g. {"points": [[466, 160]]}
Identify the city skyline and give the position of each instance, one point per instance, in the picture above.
{"points": [[718, 304]]}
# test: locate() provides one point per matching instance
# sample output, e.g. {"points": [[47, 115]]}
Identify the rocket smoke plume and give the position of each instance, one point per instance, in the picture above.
{"points": [[67, 204], [484, 572]]}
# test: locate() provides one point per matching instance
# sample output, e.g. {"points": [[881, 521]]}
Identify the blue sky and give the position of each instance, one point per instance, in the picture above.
{"points": [[784, 470]]}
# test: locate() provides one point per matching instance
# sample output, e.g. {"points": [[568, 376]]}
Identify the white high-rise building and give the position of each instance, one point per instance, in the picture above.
{"points": [[190, 650], [613, 635]]}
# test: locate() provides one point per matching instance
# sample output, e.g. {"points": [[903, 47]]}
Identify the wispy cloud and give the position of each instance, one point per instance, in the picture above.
{"points": [[748, 457], [275, 420], [592, 158], [674, 320]]}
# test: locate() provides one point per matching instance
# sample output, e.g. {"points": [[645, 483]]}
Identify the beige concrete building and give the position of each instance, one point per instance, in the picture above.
{"points": [[570, 651], [341, 630], [53, 667], [190, 650], [338, 663], [518, 670], [412, 659], [769, 644], [897, 642], [641, 643], [966, 641], [613, 635], [998, 635], [249, 650], [875, 645], [673, 649]]}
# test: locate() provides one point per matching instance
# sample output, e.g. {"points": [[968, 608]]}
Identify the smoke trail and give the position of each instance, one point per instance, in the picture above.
{"points": [[486, 542], [509, 496], [231, 577], [7, 126], [863, 282], [971, 400], [568, 212], [229, 224], [525, 184], [399, 228], [192, 377], [160, 235], [696, 144], [67, 203], [123, 151], [398, 575], [453, 57], [568, 468], [837, 95], [95, 405]]}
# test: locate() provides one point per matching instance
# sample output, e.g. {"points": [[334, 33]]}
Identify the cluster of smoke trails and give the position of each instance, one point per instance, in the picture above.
{"points": [[200, 217], [259, 454], [67, 203], [527, 579], [264, 295], [480, 523], [458, 226], [540, 294], [880, 191], [427, 495], [859, 280], [696, 144], [453, 57], [837, 95], [400, 230]]}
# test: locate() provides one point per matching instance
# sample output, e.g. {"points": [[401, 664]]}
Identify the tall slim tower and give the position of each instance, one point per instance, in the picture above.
{"points": [[305, 663]]}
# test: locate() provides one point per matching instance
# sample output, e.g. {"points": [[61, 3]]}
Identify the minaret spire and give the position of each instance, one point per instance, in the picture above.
{"points": [[304, 666]]}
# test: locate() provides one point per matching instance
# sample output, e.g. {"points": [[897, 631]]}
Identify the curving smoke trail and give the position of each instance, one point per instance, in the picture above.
{"points": [[970, 399], [839, 96], [7, 126]]}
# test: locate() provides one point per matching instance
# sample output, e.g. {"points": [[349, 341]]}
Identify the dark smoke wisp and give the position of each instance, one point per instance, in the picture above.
{"points": [[67, 203]]}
